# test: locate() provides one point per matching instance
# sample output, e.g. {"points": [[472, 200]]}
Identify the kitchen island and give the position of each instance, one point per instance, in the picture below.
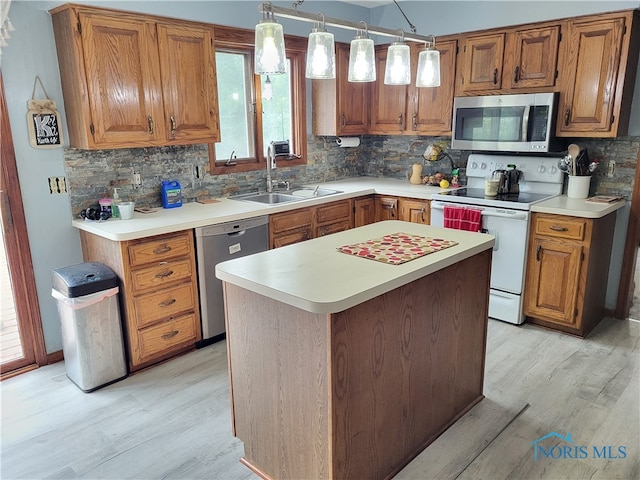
{"points": [[348, 367]]}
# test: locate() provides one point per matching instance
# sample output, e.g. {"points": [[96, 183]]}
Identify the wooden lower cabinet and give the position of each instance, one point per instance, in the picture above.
{"points": [[290, 227], [567, 271], [415, 210], [332, 218], [364, 211], [305, 223], [158, 290], [386, 208]]}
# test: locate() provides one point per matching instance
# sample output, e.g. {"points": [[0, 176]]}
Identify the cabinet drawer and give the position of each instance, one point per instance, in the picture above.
{"points": [[333, 211], [163, 304], [334, 227], [158, 250], [561, 227], [159, 339], [288, 221], [290, 237], [162, 274]]}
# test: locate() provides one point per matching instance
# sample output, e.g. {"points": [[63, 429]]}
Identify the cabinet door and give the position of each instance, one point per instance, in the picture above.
{"points": [[364, 211], [386, 208], [415, 211], [388, 102], [187, 62], [482, 63], [352, 98], [553, 276], [123, 80], [589, 89], [431, 108], [532, 58]]}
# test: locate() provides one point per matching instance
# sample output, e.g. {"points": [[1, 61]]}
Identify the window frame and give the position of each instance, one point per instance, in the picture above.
{"points": [[241, 40]]}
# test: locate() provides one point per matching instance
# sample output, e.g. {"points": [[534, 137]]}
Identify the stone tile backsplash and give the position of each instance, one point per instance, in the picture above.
{"points": [[92, 175]]}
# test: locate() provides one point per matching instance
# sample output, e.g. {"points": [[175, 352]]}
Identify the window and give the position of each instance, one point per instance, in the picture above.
{"points": [[255, 110]]}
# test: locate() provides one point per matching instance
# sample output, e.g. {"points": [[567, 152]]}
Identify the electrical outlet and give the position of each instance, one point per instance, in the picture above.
{"points": [[57, 185], [137, 180], [611, 168]]}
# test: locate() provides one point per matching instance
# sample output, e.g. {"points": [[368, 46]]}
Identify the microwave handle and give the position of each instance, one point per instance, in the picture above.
{"points": [[525, 123]]}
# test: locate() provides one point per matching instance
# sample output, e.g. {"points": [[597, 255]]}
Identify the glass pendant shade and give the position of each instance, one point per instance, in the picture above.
{"points": [[428, 68], [321, 55], [269, 47], [398, 67], [362, 65]]}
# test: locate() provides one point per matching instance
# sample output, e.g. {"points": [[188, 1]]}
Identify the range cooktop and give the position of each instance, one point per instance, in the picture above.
{"points": [[476, 196]]}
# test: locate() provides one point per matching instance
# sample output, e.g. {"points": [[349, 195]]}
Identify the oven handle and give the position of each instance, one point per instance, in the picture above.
{"points": [[485, 213]]}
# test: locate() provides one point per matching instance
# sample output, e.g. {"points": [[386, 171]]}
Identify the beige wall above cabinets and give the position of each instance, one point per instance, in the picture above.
{"points": [[133, 80]]}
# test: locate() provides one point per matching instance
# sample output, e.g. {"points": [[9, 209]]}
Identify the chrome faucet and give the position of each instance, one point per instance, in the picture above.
{"points": [[271, 157]]}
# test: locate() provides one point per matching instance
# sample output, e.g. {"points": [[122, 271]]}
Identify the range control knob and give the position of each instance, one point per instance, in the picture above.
{"points": [[474, 165], [541, 169], [553, 170], [483, 166]]}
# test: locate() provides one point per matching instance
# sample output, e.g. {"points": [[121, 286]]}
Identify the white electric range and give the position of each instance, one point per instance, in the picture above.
{"points": [[507, 217]]}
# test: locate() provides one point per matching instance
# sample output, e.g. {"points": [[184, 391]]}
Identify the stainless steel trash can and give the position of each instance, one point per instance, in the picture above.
{"points": [[92, 342]]}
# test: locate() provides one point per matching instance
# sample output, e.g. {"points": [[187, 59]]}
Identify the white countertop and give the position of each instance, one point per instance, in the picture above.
{"points": [[315, 277], [576, 207], [192, 215]]}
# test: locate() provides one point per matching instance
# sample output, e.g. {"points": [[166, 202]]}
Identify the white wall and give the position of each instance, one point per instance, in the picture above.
{"points": [[31, 51]]}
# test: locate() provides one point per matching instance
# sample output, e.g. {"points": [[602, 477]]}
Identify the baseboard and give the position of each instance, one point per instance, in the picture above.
{"points": [[55, 357]]}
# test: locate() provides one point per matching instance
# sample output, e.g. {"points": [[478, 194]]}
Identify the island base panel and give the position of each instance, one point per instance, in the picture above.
{"points": [[359, 393]]}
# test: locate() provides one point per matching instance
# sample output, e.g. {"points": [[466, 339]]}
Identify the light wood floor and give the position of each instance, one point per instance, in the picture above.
{"points": [[173, 421]]}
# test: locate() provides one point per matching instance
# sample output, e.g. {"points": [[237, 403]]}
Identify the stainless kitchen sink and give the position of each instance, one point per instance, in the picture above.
{"points": [[306, 192], [293, 195], [268, 198]]}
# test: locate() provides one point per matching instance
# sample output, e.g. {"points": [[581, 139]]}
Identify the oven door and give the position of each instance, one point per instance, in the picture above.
{"points": [[510, 229]]}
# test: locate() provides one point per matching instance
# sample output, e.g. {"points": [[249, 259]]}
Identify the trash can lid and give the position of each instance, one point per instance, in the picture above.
{"points": [[83, 279]]}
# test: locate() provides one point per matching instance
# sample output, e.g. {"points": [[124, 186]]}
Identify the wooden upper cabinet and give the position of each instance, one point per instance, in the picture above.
{"points": [[115, 66], [510, 61], [407, 109], [340, 107], [131, 80], [388, 102], [431, 108], [531, 58], [595, 97], [482, 63], [187, 64]]}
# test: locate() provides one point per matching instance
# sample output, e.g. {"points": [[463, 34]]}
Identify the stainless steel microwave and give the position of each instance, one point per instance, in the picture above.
{"points": [[505, 123]]}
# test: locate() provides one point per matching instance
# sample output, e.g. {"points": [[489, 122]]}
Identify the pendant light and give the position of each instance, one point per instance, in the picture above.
{"points": [[321, 53], [398, 66], [267, 89], [269, 46], [362, 64], [428, 67]]}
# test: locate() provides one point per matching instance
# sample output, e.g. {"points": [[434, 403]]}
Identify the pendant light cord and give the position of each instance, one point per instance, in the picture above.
{"points": [[411, 25]]}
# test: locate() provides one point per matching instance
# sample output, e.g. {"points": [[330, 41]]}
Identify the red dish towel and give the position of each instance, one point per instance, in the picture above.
{"points": [[462, 218]]}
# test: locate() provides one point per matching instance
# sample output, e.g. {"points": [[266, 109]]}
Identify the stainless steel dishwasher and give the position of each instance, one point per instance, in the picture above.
{"points": [[215, 244]]}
